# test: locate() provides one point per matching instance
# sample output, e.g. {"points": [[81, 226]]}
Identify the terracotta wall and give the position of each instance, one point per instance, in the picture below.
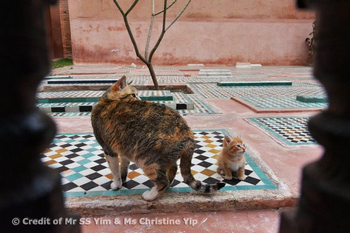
{"points": [[268, 32]]}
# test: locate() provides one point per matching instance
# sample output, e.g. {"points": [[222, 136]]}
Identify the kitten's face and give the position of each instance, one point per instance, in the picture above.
{"points": [[120, 91], [234, 146]]}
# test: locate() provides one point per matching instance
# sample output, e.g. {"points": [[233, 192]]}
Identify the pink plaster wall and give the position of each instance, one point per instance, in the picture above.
{"points": [[268, 32]]}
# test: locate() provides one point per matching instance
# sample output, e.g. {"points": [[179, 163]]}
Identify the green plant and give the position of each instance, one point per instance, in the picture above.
{"points": [[61, 63]]}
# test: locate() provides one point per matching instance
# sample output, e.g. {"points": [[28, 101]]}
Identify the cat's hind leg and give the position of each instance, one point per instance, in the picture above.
{"points": [[171, 173], [113, 162], [124, 166], [158, 176]]}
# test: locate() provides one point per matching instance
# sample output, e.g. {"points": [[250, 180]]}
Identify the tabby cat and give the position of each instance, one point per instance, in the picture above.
{"points": [[151, 135], [231, 159]]}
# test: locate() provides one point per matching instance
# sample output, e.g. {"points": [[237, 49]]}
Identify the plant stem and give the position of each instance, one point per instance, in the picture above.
{"points": [[161, 34], [153, 75], [149, 31], [178, 16], [158, 13], [126, 22]]}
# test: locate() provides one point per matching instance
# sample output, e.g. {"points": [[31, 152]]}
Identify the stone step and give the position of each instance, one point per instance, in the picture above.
{"points": [[255, 83]]}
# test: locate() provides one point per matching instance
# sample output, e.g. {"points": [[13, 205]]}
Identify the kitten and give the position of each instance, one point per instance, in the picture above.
{"points": [[151, 135], [231, 158]]}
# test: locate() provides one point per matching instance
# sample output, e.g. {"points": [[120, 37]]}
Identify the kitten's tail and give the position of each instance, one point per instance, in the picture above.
{"points": [[185, 167]]}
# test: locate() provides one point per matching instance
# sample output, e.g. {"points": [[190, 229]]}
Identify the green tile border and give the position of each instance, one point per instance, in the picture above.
{"points": [[157, 98], [268, 184], [311, 99], [276, 135]]}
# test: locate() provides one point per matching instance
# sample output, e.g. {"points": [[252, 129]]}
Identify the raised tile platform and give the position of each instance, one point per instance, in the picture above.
{"points": [[85, 172], [288, 130]]}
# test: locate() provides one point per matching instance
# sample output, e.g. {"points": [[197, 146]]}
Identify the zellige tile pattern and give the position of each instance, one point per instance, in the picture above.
{"points": [[84, 170]]}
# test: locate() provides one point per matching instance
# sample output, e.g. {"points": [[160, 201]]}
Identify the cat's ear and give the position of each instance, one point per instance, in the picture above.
{"points": [[122, 81], [227, 140], [119, 85]]}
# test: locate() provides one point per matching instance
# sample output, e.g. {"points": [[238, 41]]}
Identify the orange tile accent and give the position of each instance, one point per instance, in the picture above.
{"points": [[210, 145], [47, 151], [205, 136], [61, 150], [208, 172], [208, 141], [50, 162], [133, 174], [215, 156], [55, 156], [193, 172], [214, 151], [109, 176]]}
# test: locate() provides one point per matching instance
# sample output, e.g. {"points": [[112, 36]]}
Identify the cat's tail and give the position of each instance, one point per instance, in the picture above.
{"points": [[185, 167]]}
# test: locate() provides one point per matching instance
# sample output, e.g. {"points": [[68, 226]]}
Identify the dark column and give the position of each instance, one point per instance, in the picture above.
{"points": [[28, 189], [324, 204]]}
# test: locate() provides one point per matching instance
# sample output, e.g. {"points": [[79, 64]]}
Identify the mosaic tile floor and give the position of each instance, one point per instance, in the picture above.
{"points": [[84, 170], [278, 102], [70, 94], [290, 130], [212, 91], [264, 97]]}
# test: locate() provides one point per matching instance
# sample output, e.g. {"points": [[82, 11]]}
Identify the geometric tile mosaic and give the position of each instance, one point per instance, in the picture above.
{"points": [[264, 97], [281, 102], [290, 130], [84, 170]]}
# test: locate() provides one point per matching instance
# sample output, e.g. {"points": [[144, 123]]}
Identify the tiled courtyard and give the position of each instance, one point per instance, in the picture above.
{"points": [[270, 119]]}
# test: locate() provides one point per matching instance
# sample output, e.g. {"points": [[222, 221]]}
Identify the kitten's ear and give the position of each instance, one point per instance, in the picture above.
{"points": [[119, 85], [227, 140]]}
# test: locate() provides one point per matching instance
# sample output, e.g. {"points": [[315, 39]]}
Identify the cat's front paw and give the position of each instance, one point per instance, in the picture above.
{"points": [[228, 177], [115, 185], [242, 177]]}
